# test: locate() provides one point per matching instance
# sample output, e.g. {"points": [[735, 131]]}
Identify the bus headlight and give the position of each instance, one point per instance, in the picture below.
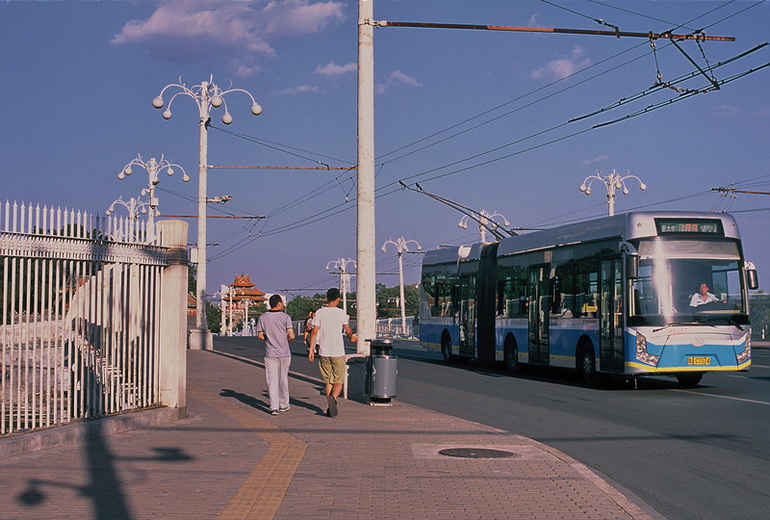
{"points": [[641, 352], [746, 354]]}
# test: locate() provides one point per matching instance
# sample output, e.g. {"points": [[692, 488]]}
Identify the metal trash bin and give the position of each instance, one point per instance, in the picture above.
{"points": [[355, 378], [382, 371]]}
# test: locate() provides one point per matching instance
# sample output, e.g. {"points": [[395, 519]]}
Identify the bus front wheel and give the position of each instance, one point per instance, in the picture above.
{"points": [[587, 367], [690, 379]]}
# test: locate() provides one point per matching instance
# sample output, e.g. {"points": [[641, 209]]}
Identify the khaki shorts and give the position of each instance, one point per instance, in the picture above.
{"points": [[332, 369]]}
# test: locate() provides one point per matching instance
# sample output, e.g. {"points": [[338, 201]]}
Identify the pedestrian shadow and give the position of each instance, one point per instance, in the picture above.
{"points": [[299, 403], [264, 406], [246, 399]]}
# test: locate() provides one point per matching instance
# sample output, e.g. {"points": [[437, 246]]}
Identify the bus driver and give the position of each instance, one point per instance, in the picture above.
{"points": [[703, 296]]}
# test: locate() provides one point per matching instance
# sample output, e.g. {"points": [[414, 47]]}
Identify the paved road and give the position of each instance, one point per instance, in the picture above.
{"points": [[690, 454]]}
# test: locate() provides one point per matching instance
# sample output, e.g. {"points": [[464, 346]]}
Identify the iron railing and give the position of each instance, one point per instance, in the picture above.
{"points": [[79, 321]]}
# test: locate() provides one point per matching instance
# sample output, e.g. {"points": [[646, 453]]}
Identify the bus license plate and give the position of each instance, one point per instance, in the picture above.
{"points": [[699, 360]]}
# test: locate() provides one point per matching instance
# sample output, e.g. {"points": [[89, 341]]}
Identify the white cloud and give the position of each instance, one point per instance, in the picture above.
{"points": [[238, 32], [725, 110], [299, 90], [396, 78], [597, 159], [563, 67], [332, 69]]}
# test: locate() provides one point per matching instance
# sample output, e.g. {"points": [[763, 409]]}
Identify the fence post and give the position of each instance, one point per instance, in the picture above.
{"points": [[173, 319]]}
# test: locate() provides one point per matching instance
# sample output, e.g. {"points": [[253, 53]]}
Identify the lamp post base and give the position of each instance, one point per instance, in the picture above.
{"points": [[201, 339]]}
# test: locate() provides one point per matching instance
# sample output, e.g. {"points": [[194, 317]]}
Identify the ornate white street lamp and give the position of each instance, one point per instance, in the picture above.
{"points": [[135, 207], [206, 95], [485, 220], [342, 264], [612, 182], [153, 168], [402, 246]]}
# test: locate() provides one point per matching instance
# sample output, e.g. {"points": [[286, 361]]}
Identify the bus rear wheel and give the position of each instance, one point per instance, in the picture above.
{"points": [[511, 356], [446, 348], [690, 379]]}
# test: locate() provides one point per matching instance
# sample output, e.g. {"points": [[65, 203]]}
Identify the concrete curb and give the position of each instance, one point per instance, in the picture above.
{"points": [[53, 437]]}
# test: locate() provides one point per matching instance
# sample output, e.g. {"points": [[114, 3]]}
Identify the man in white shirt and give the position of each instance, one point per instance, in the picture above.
{"points": [[329, 323], [703, 296]]}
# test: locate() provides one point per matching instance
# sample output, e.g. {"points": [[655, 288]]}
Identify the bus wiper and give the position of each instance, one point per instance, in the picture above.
{"points": [[731, 320]]}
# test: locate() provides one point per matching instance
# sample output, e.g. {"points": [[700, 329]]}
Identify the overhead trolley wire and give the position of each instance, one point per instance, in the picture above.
{"points": [[384, 190]]}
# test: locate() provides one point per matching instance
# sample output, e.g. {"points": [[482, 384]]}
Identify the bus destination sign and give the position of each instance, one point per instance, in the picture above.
{"points": [[687, 226]]}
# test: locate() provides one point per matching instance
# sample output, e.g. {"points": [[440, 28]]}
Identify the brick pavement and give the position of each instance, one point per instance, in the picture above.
{"points": [[231, 459]]}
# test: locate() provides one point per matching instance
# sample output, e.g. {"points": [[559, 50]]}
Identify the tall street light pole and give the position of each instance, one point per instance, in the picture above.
{"points": [[485, 220], [341, 264], [402, 246], [206, 95], [135, 207], [613, 181], [153, 168]]}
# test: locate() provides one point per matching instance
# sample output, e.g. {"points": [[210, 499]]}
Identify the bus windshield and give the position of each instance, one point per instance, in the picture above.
{"points": [[687, 282]]}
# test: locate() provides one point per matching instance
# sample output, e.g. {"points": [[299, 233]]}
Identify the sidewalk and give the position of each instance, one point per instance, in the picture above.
{"points": [[230, 459]]}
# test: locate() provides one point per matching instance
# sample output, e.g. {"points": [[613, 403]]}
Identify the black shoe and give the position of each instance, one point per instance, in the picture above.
{"points": [[332, 405]]}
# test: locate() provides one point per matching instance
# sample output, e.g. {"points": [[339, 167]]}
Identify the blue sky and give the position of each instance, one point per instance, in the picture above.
{"points": [[478, 117]]}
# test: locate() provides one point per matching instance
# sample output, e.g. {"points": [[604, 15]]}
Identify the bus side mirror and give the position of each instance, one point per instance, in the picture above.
{"points": [[753, 279], [632, 266]]}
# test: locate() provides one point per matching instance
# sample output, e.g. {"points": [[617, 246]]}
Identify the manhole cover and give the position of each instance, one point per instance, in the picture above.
{"points": [[476, 453]]}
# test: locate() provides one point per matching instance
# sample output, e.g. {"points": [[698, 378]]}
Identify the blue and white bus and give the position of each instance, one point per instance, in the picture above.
{"points": [[616, 295]]}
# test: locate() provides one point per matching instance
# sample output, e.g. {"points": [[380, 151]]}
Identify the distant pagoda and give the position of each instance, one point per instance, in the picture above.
{"points": [[246, 291]]}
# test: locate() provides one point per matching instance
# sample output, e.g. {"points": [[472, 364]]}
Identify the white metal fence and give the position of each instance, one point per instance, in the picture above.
{"points": [[79, 322]]}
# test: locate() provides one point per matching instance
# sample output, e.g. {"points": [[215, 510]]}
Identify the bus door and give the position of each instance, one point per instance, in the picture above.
{"points": [[611, 316], [539, 295], [467, 316]]}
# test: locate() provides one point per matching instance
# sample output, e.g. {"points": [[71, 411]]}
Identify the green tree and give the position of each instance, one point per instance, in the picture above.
{"points": [[299, 307], [388, 301], [214, 317]]}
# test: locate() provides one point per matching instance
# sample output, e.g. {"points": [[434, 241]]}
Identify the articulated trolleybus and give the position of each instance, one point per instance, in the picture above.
{"points": [[638, 294]]}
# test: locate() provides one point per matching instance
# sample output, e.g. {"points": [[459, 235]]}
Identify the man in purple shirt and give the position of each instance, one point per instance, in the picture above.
{"points": [[275, 328]]}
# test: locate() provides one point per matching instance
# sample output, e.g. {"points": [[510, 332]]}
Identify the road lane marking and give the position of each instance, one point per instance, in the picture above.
{"points": [[262, 492], [753, 401]]}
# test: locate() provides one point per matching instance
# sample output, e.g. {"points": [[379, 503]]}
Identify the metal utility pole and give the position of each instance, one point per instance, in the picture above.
{"points": [[366, 310]]}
